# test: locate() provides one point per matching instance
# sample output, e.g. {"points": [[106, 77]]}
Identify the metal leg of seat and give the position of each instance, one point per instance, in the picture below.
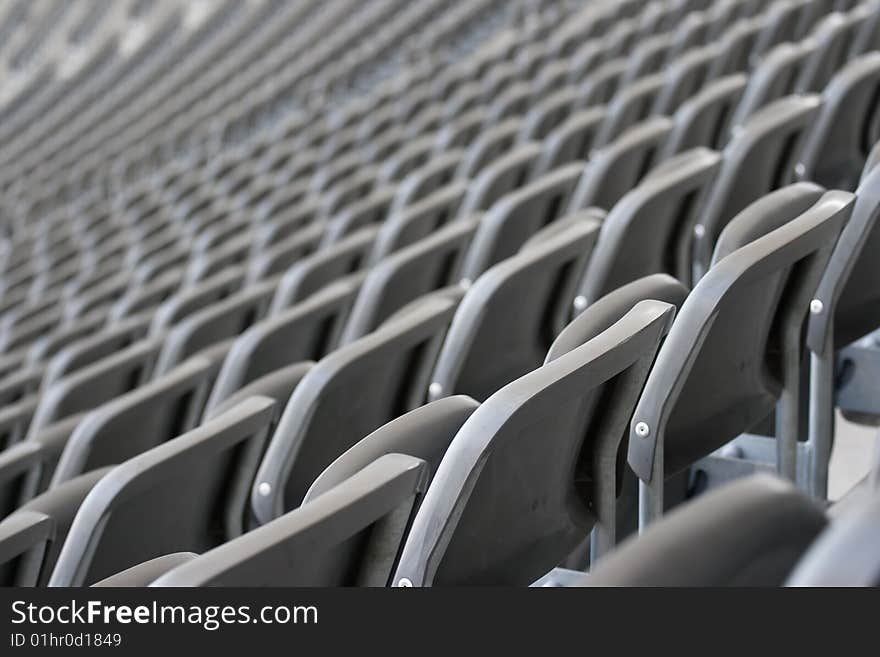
{"points": [[821, 429]]}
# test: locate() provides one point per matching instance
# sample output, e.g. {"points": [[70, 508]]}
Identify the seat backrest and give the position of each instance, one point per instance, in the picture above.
{"points": [[758, 159], [365, 212], [511, 314], [547, 115], [837, 146], [348, 394], [848, 295], [427, 179], [350, 535], [193, 298], [326, 266], [225, 319], [305, 331], [91, 386], [747, 533], [417, 221], [23, 540], [572, 140], [488, 147], [686, 76], [843, 554], [631, 105], [703, 119], [736, 47], [423, 433], [833, 36], [202, 475], [617, 168], [596, 317], [775, 77], [647, 231], [428, 265], [528, 462], [281, 255], [503, 176], [515, 217], [717, 375]]}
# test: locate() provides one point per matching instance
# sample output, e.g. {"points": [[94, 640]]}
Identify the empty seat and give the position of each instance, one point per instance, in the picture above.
{"points": [[572, 140], [515, 464], [766, 268], [758, 159], [320, 543], [647, 231], [320, 421], [511, 314], [615, 169], [202, 475], [703, 119], [837, 146], [303, 332], [427, 265], [748, 533], [214, 324], [517, 216], [137, 421]]}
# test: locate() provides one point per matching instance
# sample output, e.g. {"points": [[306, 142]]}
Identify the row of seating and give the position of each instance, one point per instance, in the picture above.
{"points": [[478, 326]]}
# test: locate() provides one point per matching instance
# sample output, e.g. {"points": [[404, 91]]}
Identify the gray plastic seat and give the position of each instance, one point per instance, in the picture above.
{"points": [[369, 210], [303, 332], [833, 36], [749, 533], [489, 146], [686, 76], [202, 475], [417, 221], [511, 314], [850, 309], [774, 78], [572, 140], [735, 47], [506, 174], [89, 350], [278, 257], [322, 268], [782, 23], [422, 182], [646, 231], [703, 119], [514, 218], [137, 421], [194, 298], [94, 384], [430, 264], [24, 538], [546, 116], [223, 320], [423, 433], [598, 88], [837, 146], [716, 375], [320, 421], [519, 465], [630, 106], [615, 169], [758, 159], [350, 535], [646, 58], [843, 554]]}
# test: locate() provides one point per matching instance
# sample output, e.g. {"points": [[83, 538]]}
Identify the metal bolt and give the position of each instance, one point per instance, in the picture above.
{"points": [[465, 283], [264, 489], [816, 306], [800, 169], [405, 583], [699, 230], [435, 389], [580, 302], [642, 429]]}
